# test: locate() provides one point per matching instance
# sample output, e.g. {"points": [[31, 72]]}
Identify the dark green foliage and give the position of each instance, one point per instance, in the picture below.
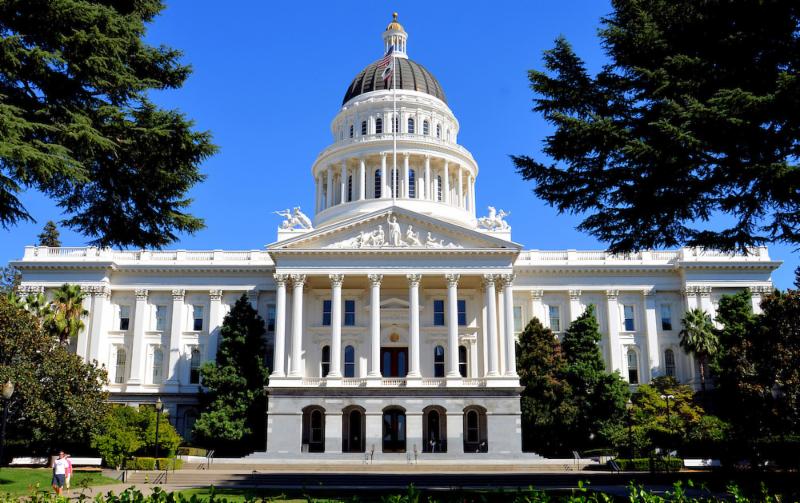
{"points": [[647, 464], [77, 123], [147, 463], [699, 338], [126, 431], [235, 404], [10, 279], [697, 115], [59, 399], [50, 235]]}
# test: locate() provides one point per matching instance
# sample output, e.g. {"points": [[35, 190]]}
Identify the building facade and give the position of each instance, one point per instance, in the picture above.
{"points": [[392, 314]]}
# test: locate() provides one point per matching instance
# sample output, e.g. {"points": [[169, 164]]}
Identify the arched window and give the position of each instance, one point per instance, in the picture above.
{"points": [[412, 184], [363, 128], [313, 429], [194, 366], [462, 360], [475, 432], [377, 183], [439, 188], [438, 361], [473, 426], [669, 363], [325, 361], [158, 364], [350, 188], [411, 125], [351, 130], [378, 126], [633, 367], [426, 128], [438, 130], [349, 361], [434, 429], [119, 367]]}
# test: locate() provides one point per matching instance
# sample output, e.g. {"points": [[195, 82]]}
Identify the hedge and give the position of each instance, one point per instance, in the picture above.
{"points": [[147, 463], [192, 451], [643, 464]]}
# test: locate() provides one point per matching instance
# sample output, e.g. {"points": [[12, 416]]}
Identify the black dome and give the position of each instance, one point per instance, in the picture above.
{"points": [[410, 76]]}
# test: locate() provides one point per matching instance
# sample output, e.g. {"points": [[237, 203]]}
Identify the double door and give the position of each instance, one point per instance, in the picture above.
{"points": [[394, 362]]}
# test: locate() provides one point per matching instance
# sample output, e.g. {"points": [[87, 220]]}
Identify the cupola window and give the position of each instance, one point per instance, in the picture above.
{"points": [[438, 130], [363, 128], [426, 128], [410, 125], [439, 188], [378, 126], [377, 183], [351, 130], [412, 184]]}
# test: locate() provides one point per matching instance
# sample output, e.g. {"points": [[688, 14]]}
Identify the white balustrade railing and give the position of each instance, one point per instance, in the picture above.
{"points": [[393, 381], [433, 381], [418, 138], [353, 381]]}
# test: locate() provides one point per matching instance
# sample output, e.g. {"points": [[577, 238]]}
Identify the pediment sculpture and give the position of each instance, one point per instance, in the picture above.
{"points": [[393, 237], [495, 220], [294, 219]]}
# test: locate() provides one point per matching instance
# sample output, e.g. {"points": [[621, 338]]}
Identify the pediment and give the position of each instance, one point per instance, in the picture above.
{"points": [[393, 229], [394, 303]]}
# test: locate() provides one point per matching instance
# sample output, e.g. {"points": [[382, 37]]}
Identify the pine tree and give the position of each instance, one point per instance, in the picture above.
{"points": [[598, 396], [234, 414], [79, 125], [50, 235], [695, 115]]}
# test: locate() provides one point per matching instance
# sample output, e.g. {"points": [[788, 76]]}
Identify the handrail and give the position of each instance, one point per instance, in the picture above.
{"points": [[209, 459]]}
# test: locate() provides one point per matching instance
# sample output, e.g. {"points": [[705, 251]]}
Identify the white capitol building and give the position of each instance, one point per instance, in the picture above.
{"points": [[392, 314]]}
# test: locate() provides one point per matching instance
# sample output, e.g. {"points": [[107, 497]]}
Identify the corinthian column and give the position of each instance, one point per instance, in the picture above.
{"points": [[336, 325], [139, 345], [298, 282], [280, 325], [452, 325], [508, 302], [375, 325], [413, 323], [491, 323]]}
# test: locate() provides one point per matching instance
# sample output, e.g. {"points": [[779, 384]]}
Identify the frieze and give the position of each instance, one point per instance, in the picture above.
{"points": [[393, 237]]}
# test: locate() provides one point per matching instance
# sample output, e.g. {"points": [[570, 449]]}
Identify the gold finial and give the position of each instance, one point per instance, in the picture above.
{"points": [[394, 25], [394, 17]]}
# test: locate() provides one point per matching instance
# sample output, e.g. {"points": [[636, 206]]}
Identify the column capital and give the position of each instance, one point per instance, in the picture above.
{"points": [[383, 155], [29, 289], [452, 279], [488, 279], [704, 291], [141, 294], [298, 279], [612, 294], [101, 291], [336, 280], [280, 279], [506, 279], [178, 293], [537, 294], [406, 155], [758, 290], [574, 295], [650, 292], [414, 279], [375, 279], [215, 294], [689, 290]]}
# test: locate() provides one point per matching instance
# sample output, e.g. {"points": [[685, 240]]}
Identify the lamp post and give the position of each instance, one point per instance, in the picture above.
{"points": [[667, 398], [629, 407], [159, 408], [8, 391]]}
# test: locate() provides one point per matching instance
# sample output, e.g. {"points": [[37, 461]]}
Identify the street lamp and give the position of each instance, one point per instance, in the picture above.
{"points": [[667, 398], [629, 407], [8, 391], [159, 408]]}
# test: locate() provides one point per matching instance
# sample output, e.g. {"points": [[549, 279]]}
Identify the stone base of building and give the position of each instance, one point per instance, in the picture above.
{"points": [[380, 423]]}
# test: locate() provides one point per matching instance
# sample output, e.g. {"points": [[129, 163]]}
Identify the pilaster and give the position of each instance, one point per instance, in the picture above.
{"points": [[139, 351]]}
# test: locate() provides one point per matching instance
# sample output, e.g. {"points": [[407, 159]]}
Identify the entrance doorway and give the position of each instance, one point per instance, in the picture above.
{"points": [[394, 362], [353, 429], [394, 430]]}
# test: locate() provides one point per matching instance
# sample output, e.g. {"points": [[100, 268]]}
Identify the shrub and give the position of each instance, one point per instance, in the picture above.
{"points": [[148, 463], [643, 464], [192, 451], [127, 431]]}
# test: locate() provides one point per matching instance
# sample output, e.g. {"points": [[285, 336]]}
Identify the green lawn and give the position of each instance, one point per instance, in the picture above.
{"points": [[236, 495], [21, 481]]}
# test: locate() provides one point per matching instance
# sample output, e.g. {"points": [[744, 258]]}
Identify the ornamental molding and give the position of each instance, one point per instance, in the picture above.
{"points": [[393, 237], [336, 280], [758, 290], [298, 280], [649, 292], [178, 294], [30, 289], [452, 279], [141, 294], [704, 291], [574, 295], [414, 280], [537, 294], [281, 279], [612, 294], [214, 295], [375, 279]]}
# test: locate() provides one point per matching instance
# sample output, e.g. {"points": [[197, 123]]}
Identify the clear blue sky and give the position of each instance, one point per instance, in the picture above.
{"points": [[269, 78]]}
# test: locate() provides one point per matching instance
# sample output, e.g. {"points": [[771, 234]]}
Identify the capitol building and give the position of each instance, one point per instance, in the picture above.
{"points": [[392, 311]]}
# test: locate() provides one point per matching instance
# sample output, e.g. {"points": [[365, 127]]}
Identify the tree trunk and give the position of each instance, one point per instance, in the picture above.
{"points": [[703, 381]]}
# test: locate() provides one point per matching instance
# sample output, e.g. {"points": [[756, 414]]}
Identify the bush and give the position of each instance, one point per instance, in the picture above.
{"points": [[148, 463], [127, 431], [643, 464], [192, 451]]}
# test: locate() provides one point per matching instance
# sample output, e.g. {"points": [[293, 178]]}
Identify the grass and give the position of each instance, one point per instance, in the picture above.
{"points": [[236, 495], [23, 481]]}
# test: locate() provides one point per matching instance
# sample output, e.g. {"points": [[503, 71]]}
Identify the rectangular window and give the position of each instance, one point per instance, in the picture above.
{"points": [[194, 365], [326, 313], [627, 314], [158, 364], [124, 317], [197, 315], [517, 319], [555, 318], [270, 317], [633, 367], [462, 312], [161, 318], [666, 317], [349, 313], [438, 313], [119, 365]]}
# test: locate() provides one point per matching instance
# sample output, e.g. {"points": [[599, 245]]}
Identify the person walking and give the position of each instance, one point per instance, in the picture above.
{"points": [[59, 472], [68, 474]]}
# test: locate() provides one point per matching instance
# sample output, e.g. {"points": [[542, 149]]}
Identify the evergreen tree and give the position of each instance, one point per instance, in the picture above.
{"points": [[79, 126], [234, 414], [695, 115], [699, 338], [545, 399], [598, 396], [50, 235]]}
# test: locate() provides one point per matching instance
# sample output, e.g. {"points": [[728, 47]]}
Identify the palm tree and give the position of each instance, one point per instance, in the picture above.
{"points": [[698, 337], [68, 312]]}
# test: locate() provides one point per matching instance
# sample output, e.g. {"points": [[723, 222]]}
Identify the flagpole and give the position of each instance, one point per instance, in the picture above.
{"points": [[394, 129]]}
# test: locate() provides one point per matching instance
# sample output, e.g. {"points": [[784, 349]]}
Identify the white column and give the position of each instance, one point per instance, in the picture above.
{"points": [[139, 351], [413, 324], [460, 187], [384, 178], [428, 184], [446, 183], [511, 354], [101, 315], [452, 325], [280, 326], [362, 179], [472, 192], [575, 308], [215, 322], [491, 322], [705, 301], [406, 180], [651, 328], [375, 325], [336, 325], [175, 335], [537, 306], [501, 327], [317, 193], [756, 293], [82, 344], [298, 282], [343, 182], [690, 297], [614, 348], [329, 188], [470, 200]]}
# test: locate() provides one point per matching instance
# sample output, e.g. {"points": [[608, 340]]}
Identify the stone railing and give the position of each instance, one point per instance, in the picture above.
{"points": [[654, 257], [408, 137], [93, 254], [389, 382]]}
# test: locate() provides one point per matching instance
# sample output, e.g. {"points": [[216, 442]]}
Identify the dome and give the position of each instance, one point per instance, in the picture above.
{"points": [[410, 76]]}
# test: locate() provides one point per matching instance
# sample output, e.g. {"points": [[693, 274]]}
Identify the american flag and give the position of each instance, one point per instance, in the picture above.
{"points": [[387, 58], [387, 63]]}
